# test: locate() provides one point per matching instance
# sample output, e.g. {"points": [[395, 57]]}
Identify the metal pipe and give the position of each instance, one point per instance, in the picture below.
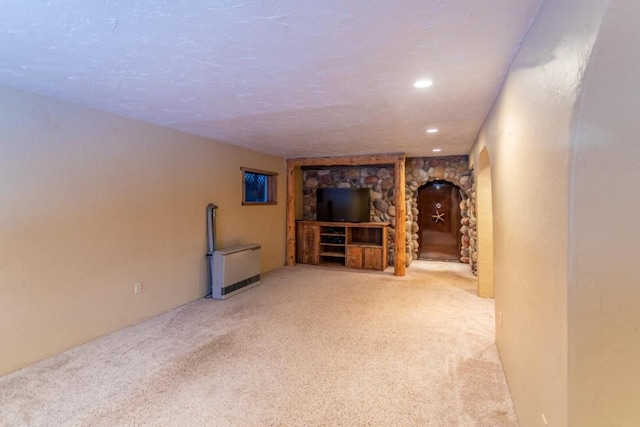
{"points": [[211, 228]]}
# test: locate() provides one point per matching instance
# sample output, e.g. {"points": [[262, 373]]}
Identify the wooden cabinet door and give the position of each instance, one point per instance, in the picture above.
{"points": [[354, 257], [372, 258], [310, 244], [299, 243]]}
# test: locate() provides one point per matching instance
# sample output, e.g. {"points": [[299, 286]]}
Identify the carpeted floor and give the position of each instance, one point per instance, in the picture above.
{"points": [[309, 346]]}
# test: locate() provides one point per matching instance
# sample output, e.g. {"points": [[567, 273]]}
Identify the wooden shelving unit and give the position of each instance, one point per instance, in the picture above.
{"points": [[332, 245], [340, 244]]}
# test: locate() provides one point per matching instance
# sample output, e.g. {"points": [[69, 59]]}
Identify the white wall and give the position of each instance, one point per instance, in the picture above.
{"points": [[529, 136], [91, 203], [604, 280]]}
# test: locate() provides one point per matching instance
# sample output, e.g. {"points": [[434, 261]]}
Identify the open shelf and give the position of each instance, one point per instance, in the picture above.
{"points": [[331, 262], [332, 254], [367, 236]]}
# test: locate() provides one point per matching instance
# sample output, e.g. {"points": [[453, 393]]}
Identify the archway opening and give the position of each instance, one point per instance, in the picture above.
{"points": [[439, 221], [485, 226]]}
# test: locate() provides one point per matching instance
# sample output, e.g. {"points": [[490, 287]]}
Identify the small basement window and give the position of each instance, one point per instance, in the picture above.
{"points": [[259, 187]]}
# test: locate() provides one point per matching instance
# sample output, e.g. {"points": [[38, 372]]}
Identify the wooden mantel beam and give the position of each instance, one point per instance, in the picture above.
{"points": [[371, 159], [395, 159]]}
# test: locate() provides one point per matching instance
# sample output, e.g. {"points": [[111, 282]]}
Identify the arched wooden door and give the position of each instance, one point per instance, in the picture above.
{"points": [[439, 221]]}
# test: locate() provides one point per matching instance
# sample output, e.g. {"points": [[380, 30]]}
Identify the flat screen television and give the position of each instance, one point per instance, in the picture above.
{"points": [[343, 204]]}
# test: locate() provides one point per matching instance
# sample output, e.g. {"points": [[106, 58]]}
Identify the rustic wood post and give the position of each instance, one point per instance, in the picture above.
{"points": [[290, 249], [401, 219]]}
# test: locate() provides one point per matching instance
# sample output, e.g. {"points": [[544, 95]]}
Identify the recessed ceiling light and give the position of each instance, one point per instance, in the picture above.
{"points": [[433, 130], [437, 150], [423, 83]]}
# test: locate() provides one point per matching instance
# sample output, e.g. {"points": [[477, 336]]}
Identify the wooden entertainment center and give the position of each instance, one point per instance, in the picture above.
{"points": [[293, 185], [361, 245]]}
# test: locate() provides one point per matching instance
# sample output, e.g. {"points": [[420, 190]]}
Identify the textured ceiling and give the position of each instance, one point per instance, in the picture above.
{"points": [[293, 78]]}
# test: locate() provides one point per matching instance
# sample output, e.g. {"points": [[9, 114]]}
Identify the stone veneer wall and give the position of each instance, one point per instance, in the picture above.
{"points": [[469, 232], [453, 169], [380, 179]]}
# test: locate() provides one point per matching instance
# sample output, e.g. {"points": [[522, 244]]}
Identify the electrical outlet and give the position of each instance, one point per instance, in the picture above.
{"points": [[544, 420], [137, 288]]}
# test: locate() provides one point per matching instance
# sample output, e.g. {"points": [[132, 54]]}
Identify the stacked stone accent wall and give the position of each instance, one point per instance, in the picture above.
{"points": [[453, 169], [380, 179], [471, 232]]}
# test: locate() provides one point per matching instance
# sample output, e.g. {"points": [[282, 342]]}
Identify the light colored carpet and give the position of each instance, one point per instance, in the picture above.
{"points": [[309, 346]]}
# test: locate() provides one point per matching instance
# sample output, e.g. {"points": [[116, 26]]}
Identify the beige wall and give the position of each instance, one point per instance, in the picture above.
{"points": [[604, 279], [529, 138], [91, 203], [484, 205]]}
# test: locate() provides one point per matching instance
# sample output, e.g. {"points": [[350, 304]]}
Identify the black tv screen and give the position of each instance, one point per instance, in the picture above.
{"points": [[343, 204]]}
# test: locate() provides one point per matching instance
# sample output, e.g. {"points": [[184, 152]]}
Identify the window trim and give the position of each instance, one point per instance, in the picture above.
{"points": [[272, 186]]}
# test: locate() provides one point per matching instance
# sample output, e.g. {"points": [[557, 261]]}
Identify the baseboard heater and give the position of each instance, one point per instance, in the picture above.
{"points": [[235, 270]]}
